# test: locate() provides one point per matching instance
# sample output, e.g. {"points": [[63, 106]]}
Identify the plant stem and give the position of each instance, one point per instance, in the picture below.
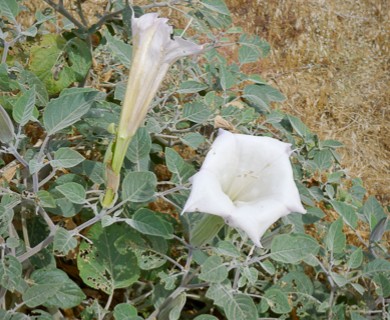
{"points": [[113, 168], [59, 7], [36, 249]]}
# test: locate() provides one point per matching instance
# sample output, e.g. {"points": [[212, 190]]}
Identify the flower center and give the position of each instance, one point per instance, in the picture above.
{"points": [[241, 184]]}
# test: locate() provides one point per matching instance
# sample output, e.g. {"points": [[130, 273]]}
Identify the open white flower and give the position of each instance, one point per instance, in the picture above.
{"points": [[153, 52], [246, 180]]}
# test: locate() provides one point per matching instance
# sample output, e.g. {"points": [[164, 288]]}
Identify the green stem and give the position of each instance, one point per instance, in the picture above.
{"points": [[114, 164]]}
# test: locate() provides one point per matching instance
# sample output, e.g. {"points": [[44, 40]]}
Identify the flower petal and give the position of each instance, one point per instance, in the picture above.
{"points": [[179, 47], [207, 196], [254, 219]]}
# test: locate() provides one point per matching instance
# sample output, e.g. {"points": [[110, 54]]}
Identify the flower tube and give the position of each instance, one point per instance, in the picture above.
{"points": [[153, 52], [246, 180]]}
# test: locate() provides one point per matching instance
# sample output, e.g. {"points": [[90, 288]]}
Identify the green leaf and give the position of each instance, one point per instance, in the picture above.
{"points": [[346, 211], [373, 211], [6, 216], [193, 139], [293, 248], [298, 282], [323, 159], [120, 49], [375, 266], [383, 284], [222, 294], [175, 163], [205, 317], [218, 6], [12, 315], [9, 9], [101, 265], [66, 158], [252, 48], [335, 239], [42, 98], [148, 222], [227, 248], [68, 108], [340, 280], [241, 307], [300, 128], [277, 300], [213, 270], [227, 78], [205, 228], [238, 306], [63, 241], [260, 96], [196, 112], [191, 87], [379, 230], [22, 112], [140, 145], [356, 259], [73, 191], [176, 306], [52, 288], [330, 144], [139, 186], [94, 171], [125, 311], [7, 130], [268, 267], [359, 288], [11, 274], [46, 199], [251, 274], [58, 62]]}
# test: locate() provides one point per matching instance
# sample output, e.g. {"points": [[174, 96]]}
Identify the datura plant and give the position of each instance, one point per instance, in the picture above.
{"points": [[76, 245], [246, 180], [153, 52]]}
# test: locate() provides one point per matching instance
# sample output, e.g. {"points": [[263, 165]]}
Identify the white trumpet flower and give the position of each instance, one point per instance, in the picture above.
{"points": [[153, 52], [246, 180]]}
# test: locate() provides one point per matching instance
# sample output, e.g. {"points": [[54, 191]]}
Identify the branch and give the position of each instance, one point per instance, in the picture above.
{"points": [[61, 9], [36, 249]]}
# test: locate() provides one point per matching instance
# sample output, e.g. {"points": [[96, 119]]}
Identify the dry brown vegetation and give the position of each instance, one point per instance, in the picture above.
{"points": [[331, 59]]}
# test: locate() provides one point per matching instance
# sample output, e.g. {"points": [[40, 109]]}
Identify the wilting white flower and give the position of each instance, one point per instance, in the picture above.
{"points": [[153, 52], [246, 180]]}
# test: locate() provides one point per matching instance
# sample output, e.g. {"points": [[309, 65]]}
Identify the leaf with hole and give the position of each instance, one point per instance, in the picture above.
{"points": [[101, 265], [58, 62], [63, 241]]}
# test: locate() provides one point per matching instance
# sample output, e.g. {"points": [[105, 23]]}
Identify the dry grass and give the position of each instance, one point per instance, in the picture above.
{"points": [[331, 59]]}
